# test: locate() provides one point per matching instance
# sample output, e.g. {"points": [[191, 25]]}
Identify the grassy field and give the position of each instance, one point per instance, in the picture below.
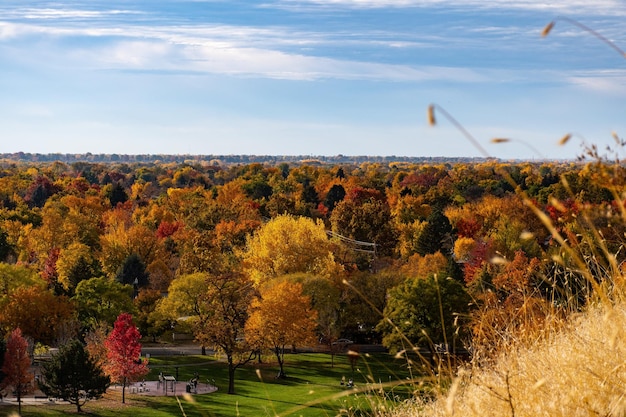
{"points": [[312, 389]]}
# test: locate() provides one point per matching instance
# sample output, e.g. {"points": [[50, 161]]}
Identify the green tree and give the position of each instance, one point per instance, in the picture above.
{"points": [[363, 300], [116, 194], [334, 195], [13, 277], [187, 297], [73, 376], [326, 299], [5, 247], [424, 312], [101, 300], [76, 264]]}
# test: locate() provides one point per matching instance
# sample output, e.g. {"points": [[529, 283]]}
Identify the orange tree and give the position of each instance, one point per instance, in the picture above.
{"points": [[37, 312], [282, 316]]}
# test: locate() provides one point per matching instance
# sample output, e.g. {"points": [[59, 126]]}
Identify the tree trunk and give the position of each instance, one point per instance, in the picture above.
{"points": [[231, 375], [203, 350], [124, 390], [281, 360]]}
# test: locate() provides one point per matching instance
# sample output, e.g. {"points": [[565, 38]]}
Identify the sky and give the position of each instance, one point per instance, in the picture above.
{"points": [[311, 77]]}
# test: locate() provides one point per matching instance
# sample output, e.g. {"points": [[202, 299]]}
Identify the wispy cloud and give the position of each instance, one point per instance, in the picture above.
{"points": [[273, 52], [597, 7], [277, 52], [62, 13], [611, 83]]}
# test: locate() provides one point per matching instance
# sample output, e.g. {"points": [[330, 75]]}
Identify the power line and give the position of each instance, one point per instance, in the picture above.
{"points": [[360, 245]]}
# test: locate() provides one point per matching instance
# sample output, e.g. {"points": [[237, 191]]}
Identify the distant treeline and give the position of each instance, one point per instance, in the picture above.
{"points": [[225, 159]]}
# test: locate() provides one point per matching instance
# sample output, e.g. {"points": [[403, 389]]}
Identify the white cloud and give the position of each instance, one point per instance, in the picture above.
{"points": [[273, 51], [597, 7], [221, 49], [611, 83], [48, 13]]}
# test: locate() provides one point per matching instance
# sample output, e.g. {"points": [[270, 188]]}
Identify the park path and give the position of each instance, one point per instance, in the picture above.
{"points": [[147, 388]]}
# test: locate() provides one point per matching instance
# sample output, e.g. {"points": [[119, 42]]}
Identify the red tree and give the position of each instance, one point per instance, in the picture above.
{"points": [[16, 366], [124, 363]]}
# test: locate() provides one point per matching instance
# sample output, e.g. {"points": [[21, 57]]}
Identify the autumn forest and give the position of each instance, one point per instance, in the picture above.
{"points": [[250, 257]]}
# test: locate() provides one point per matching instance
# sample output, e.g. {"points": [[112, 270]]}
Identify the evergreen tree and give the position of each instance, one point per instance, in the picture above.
{"points": [[73, 376], [84, 269], [309, 195], [436, 235], [5, 246], [133, 269], [117, 194], [334, 196]]}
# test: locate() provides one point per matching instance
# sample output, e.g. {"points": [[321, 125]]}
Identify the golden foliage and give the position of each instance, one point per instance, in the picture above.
{"points": [[423, 266], [282, 316], [463, 247], [286, 245]]}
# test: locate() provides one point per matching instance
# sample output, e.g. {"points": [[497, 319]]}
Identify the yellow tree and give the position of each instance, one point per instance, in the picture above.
{"points": [[423, 266], [287, 245], [281, 317], [75, 264], [122, 238], [187, 298]]}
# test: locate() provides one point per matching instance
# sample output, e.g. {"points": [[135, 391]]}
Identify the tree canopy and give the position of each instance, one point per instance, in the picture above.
{"points": [[71, 374], [124, 364], [361, 236], [16, 366], [282, 316]]}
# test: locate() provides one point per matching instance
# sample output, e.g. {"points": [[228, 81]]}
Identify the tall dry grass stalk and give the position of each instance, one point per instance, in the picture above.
{"points": [[578, 370]]}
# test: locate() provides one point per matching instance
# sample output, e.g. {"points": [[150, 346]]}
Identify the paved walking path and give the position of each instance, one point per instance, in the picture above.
{"points": [[151, 388], [156, 388]]}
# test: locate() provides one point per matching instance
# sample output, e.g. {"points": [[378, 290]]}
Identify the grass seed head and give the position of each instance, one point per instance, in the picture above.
{"points": [[546, 30], [431, 115], [565, 139]]}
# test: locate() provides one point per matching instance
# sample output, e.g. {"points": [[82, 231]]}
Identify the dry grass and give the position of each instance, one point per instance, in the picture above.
{"points": [[577, 370]]}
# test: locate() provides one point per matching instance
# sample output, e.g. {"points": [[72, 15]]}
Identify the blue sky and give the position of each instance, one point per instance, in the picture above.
{"points": [[309, 77]]}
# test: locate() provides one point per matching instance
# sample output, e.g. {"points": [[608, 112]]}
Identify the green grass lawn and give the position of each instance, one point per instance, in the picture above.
{"points": [[311, 389]]}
